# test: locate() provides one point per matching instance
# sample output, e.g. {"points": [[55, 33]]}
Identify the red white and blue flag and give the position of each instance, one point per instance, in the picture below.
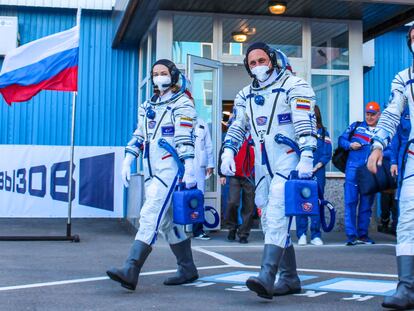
{"points": [[49, 63]]}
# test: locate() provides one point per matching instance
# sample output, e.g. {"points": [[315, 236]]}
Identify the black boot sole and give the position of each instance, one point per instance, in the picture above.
{"points": [[258, 288], [190, 280], [289, 292], [116, 278]]}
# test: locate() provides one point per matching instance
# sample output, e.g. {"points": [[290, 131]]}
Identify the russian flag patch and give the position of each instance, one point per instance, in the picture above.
{"points": [[186, 122], [303, 104]]}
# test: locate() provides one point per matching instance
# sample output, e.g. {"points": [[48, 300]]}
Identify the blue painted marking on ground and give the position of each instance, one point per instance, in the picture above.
{"points": [[355, 286]]}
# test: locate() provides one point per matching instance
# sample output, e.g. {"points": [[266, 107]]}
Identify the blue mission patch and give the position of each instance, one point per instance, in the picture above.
{"points": [[284, 118], [167, 130]]}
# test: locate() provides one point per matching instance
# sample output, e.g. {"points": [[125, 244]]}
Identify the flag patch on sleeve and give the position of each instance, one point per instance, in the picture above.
{"points": [[186, 122], [303, 104]]}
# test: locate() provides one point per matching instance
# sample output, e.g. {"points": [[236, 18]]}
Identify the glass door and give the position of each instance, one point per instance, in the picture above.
{"points": [[205, 76]]}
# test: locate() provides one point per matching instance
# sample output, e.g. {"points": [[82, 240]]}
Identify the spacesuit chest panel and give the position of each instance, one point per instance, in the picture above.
{"points": [[267, 118], [161, 125]]}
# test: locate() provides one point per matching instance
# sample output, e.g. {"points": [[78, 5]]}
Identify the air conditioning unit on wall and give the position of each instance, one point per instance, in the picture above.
{"points": [[8, 34]]}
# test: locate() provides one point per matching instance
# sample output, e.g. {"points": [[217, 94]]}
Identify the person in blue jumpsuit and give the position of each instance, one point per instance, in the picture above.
{"points": [[321, 158], [359, 149]]}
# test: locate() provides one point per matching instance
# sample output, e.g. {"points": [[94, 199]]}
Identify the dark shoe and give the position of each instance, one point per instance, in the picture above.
{"points": [[351, 242], [264, 282], [243, 240], [203, 236], [365, 240], [403, 298], [128, 274], [232, 235], [187, 271], [382, 228], [289, 282]]}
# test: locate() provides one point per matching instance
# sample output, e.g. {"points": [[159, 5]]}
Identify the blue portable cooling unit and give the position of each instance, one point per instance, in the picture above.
{"points": [[188, 206], [301, 197]]}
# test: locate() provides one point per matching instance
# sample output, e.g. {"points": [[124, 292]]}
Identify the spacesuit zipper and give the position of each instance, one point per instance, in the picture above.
{"points": [[147, 146]]}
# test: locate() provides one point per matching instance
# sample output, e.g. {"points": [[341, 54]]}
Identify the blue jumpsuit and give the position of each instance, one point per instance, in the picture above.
{"points": [[356, 159], [322, 154]]}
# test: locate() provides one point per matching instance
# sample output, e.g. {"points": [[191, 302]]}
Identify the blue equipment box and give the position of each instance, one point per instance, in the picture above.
{"points": [[188, 206], [301, 197]]}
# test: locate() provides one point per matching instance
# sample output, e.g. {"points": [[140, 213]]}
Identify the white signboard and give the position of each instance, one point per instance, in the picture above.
{"points": [[34, 181]]}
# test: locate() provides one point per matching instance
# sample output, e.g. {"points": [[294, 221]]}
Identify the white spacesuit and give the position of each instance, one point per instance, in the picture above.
{"points": [[171, 117], [282, 104], [402, 94], [203, 160], [204, 155]]}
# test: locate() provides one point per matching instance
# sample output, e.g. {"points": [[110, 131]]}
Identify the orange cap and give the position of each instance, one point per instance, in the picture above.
{"points": [[372, 107]]}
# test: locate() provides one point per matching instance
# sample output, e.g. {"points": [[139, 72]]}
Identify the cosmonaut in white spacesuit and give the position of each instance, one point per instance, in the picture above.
{"points": [[276, 102], [168, 115], [402, 94]]}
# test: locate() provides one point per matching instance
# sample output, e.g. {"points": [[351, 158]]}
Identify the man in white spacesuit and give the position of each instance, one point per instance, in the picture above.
{"points": [[203, 166], [275, 103], [169, 115], [402, 94]]}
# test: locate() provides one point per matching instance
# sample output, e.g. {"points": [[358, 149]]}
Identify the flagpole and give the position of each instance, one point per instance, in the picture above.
{"points": [[72, 147], [71, 164]]}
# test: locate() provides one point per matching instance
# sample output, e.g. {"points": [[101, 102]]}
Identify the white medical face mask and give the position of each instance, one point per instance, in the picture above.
{"points": [[162, 82], [412, 47], [261, 72]]}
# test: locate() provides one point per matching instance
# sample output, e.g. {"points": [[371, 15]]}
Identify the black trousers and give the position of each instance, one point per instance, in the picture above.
{"points": [[240, 186], [389, 208]]}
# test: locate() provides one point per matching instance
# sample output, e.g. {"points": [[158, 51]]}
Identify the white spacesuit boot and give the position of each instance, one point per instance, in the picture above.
{"points": [[128, 274]]}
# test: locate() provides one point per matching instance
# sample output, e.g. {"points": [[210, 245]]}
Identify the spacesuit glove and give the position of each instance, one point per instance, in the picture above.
{"points": [[126, 169], [305, 165], [189, 176], [228, 166]]}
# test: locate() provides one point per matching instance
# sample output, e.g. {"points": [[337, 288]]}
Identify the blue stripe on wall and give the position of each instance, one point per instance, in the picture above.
{"points": [[106, 106]]}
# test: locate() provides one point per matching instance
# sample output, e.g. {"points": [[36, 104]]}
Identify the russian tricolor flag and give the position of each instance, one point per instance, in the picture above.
{"points": [[50, 63]]}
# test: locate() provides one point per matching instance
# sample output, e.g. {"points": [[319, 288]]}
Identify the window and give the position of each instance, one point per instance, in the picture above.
{"points": [[332, 97], [330, 46], [192, 35], [207, 50], [208, 92]]}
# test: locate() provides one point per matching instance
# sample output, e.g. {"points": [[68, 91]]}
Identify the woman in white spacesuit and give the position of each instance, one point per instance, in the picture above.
{"points": [[168, 115]]}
